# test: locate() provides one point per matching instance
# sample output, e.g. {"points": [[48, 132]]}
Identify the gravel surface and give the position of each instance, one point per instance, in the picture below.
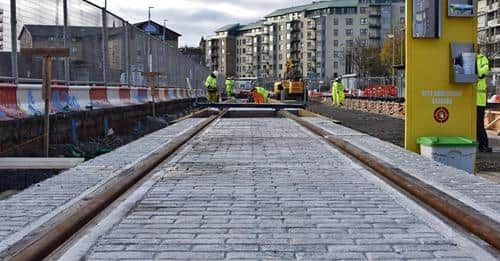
{"points": [[388, 129]]}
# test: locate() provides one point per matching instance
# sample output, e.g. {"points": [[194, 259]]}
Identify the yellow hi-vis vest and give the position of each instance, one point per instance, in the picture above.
{"points": [[483, 68], [229, 86], [211, 83], [262, 91]]}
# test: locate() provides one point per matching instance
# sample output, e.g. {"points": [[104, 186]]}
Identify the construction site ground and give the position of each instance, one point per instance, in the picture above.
{"points": [[392, 130]]}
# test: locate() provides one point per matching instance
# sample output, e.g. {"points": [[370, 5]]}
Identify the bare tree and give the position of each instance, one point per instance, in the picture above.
{"points": [[365, 59]]}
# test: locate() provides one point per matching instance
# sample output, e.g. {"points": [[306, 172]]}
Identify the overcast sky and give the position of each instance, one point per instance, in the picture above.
{"points": [[196, 18]]}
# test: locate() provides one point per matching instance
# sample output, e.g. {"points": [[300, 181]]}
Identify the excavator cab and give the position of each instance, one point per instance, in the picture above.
{"points": [[292, 85]]}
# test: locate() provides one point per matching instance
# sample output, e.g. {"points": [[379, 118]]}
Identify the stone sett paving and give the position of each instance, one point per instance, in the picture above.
{"points": [[32, 204], [266, 189], [482, 193]]}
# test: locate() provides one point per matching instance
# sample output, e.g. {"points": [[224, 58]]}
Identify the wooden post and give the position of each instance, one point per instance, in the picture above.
{"points": [[153, 79], [46, 93], [47, 54]]}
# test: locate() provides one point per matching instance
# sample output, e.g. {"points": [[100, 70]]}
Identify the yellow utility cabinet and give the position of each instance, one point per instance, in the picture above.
{"points": [[440, 69]]}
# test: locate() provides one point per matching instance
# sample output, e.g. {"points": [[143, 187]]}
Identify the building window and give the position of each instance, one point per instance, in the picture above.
{"points": [[402, 9], [281, 67], [362, 10], [335, 32], [348, 21], [335, 54], [363, 32], [363, 21], [335, 43], [335, 65], [335, 21], [402, 20], [348, 32], [348, 43]]}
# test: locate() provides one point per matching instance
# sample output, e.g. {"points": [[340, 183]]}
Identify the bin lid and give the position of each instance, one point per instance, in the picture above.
{"points": [[446, 142]]}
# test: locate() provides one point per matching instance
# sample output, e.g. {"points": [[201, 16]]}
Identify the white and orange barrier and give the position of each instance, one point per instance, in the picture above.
{"points": [[25, 100]]}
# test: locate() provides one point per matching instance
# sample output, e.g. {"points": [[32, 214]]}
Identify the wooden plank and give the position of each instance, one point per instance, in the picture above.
{"points": [[491, 124], [48, 52], [39, 163]]}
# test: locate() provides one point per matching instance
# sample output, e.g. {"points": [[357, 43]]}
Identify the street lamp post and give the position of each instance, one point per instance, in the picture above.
{"points": [[149, 12], [392, 36], [165, 30]]}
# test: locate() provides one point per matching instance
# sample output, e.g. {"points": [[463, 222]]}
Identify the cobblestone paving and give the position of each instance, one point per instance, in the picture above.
{"points": [[24, 211], [267, 189], [475, 191]]}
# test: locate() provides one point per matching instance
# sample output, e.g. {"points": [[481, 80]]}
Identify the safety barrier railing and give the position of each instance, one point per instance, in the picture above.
{"points": [[105, 49]]}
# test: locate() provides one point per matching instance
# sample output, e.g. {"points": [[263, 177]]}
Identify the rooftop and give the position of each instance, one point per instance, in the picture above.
{"points": [[229, 27], [251, 26], [313, 6]]}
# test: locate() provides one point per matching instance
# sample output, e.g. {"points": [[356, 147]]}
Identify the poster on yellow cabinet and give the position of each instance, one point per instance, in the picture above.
{"points": [[440, 75]]}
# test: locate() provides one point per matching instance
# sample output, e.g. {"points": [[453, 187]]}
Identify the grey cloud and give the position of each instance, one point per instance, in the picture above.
{"points": [[194, 23]]}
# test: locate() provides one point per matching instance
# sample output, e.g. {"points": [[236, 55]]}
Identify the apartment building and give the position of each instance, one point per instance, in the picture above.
{"points": [[317, 37], [489, 33], [220, 54]]}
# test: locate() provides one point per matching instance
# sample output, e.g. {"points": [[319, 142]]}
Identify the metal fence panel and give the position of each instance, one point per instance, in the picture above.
{"points": [[104, 49], [116, 67], [40, 24], [138, 56], [5, 42], [85, 40]]}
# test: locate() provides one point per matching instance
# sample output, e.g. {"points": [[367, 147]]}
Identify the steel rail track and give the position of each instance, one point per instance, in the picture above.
{"points": [[466, 217], [42, 246]]}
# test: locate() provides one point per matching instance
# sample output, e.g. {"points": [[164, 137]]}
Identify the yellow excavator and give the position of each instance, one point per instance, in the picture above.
{"points": [[293, 85]]}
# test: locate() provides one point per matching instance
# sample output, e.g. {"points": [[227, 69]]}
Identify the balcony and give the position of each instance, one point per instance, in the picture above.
{"points": [[294, 40], [374, 24], [311, 58], [494, 22], [494, 38], [311, 47], [493, 7], [311, 37], [374, 13], [374, 35], [311, 26]]}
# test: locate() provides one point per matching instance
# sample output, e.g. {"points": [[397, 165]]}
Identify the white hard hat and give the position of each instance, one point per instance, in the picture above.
{"points": [[216, 73]]}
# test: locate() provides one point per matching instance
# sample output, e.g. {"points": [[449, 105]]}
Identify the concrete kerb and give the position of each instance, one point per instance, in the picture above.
{"points": [[35, 228]]}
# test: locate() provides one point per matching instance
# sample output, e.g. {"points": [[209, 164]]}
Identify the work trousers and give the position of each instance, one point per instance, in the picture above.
{"points": [[212, 96], [338, 97], [482, 136]]}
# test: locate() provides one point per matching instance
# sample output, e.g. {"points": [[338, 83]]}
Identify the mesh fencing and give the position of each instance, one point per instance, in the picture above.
{"points": [[104, 48]]}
